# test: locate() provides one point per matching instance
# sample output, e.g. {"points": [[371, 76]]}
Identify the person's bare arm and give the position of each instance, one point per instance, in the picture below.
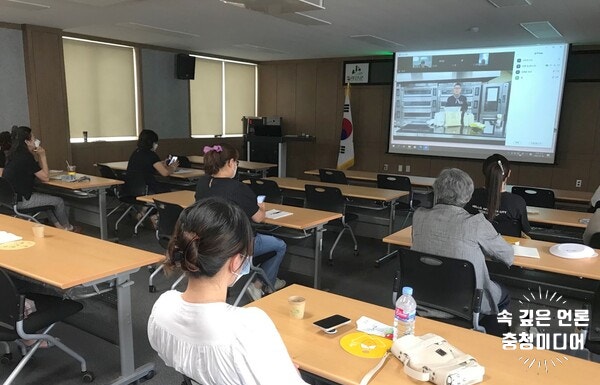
{"points": [[259, 216], [43, 174], [165, 170]]}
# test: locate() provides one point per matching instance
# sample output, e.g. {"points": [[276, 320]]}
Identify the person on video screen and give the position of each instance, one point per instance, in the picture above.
{"points": [[458, 100]]}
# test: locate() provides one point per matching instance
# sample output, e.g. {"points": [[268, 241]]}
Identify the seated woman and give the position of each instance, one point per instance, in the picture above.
{"points": [[196, 332], [220, 167], [506, 211], [25, 163], [448, 230], [145, 162], [592, 228]]}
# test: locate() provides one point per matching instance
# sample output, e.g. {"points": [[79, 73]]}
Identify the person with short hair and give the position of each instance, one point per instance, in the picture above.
{"points": [[196, 332], [448, 230], [506, 211], [220, 167], [26, 163], [458, 100]]}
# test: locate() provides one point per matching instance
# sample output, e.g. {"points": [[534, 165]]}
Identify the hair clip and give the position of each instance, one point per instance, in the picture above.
{"points": [[216, 148], [177, 256], [501, 168]]}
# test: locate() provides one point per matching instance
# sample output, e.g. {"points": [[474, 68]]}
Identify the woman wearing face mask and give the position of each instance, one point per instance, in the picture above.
{"points": [[146, 162], [27, 162], [220, 167], [196, 332]]}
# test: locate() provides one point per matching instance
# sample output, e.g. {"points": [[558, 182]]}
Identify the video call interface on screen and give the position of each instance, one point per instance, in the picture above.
{"points": [[471, 103]]}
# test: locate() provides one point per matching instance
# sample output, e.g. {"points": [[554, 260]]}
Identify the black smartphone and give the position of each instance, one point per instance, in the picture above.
{"points": [[333, 322]]}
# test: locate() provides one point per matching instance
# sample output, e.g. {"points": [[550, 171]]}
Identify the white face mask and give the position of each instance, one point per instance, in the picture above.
{"points": [[244, 269], [154, 146]]}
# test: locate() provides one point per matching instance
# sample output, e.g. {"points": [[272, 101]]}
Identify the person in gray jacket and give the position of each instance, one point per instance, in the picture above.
{"points": [[448, 230]]}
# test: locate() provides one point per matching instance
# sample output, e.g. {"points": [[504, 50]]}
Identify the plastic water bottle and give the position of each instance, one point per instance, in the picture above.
{"points": [[406, 310]]}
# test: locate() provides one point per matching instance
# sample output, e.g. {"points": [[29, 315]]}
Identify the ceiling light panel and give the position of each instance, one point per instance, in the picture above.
{"points": [[302, 18], [277, 7], [542, 30], [26, 5], [509, 3], [102, 3], [378, 41], [159, 30]]}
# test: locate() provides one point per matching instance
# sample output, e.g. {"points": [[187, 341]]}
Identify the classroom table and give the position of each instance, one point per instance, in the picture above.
{"points": [[368, 193], [580, 197], [301, 219], [95, 185], [368, 176], [180, 173], [66, 260], [242, 165], [558, 217], [321, 354], [584, 268]]}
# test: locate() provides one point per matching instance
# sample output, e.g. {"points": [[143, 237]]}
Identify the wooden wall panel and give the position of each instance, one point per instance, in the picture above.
{"points": [[267, 90], [46, 89]]}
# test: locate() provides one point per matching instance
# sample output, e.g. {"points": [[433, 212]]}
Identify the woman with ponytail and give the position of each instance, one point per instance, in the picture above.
{"points": [[506, 211]]}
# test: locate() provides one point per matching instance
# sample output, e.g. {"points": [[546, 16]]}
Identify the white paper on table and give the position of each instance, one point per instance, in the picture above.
{"points": [[8, 237], [275, 214], [370, 326], [528, 252]]}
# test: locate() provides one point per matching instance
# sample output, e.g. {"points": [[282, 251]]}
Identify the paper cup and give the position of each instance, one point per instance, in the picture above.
{"points": [[297, 305], [260, 198], [38, 230]]}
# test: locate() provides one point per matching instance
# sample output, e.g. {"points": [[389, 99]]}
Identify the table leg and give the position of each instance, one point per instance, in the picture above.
{"points": [[102, 213], [318, 232], [129, 373], [390, 254]]}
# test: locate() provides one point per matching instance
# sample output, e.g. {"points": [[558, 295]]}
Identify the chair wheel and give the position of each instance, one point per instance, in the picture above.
{"points": [[6, 358], [152, 289], [87, 377], [151, 269], [149, 375], [355, 252], [330, 262]]}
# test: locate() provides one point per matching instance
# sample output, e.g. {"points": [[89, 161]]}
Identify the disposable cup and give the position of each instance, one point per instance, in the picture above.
{"points": [[71, 170], [38, 230], [297, 305]]}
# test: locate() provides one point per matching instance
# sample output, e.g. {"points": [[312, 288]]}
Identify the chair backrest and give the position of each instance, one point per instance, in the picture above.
{"points": [[10, 307], [184, 161], [395, 182], [168, 214], [595, 241], [324, 198], [107, 172], [332, 176], [8, 197], [538, 197], [266, 187], [441, 283]]}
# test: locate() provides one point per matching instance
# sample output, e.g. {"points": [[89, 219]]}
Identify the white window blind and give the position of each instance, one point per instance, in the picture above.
{"points": [[101, 90], [221, 93]]}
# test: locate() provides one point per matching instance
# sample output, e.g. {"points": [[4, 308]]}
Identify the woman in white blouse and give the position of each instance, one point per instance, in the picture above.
{"points": [[196, 332]]}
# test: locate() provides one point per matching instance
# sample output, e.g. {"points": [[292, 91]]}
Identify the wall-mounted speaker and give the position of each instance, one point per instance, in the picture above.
{"points": [[185, 66]]}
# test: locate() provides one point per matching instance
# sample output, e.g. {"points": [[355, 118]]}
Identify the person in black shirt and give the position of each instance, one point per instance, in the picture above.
{"points": [[220, 167], [506, 211], [4, 147], [458, 100], [26, 162]]}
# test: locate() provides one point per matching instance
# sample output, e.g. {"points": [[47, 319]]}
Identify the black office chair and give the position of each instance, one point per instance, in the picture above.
{"points": [[8, 200], [331, 199], [266, 187], [332, 176], [135, 186], [256, 271], [538, 197], [188, 381], [16, 326], [168, 214], [401, 183], [438, 291], [114, 191]]}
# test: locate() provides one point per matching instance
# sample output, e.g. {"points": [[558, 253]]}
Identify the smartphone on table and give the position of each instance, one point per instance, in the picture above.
{"points": [[330, 324]]}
